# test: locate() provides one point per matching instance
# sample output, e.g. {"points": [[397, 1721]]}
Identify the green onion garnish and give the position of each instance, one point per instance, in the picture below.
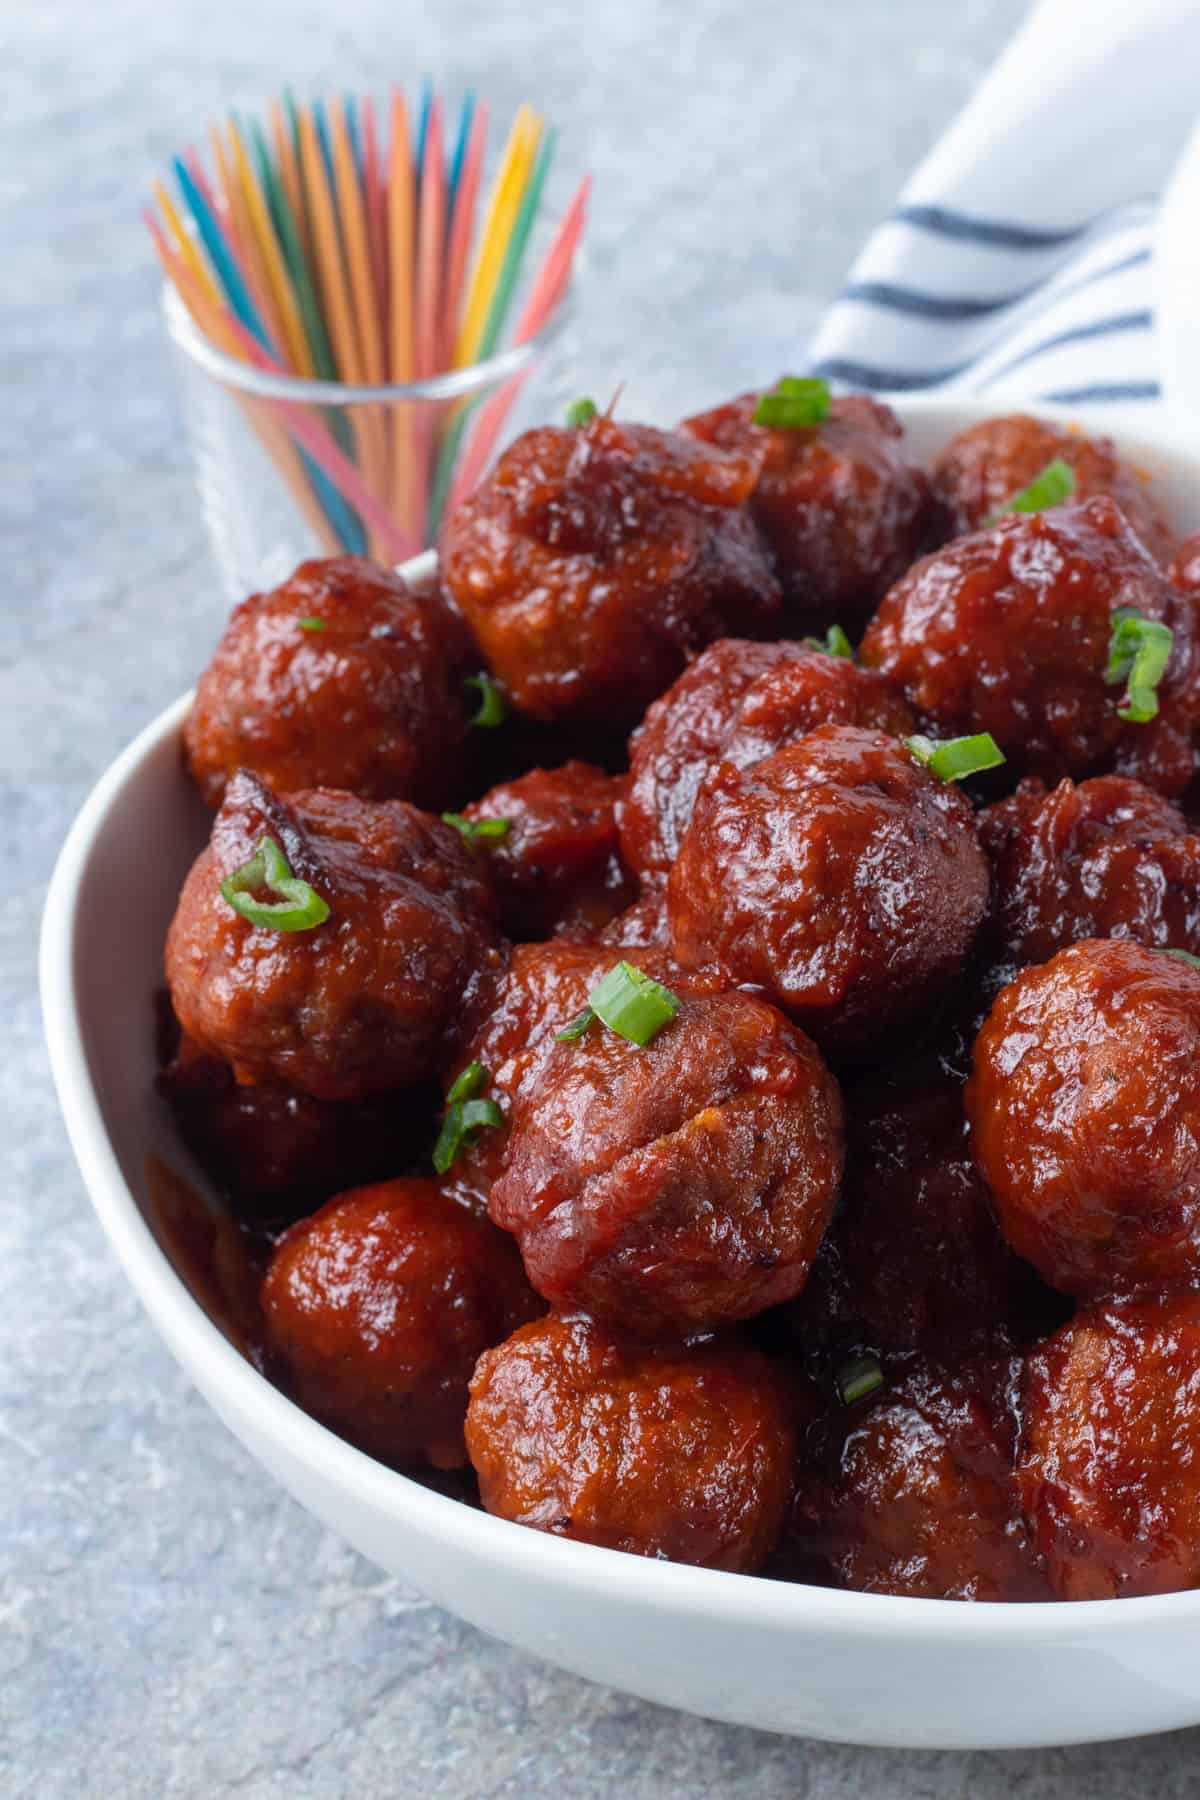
{"points": [[476, 831], [580, 412], [576, 1028], [468, 1084], [629, 1003], [464, 1116], [956, 758], [794, 402], [1184, 956], [492, 710], [1055, 484], [313, 624], [834, 643], [857, 1379], [1137, 655], [299, 907]]}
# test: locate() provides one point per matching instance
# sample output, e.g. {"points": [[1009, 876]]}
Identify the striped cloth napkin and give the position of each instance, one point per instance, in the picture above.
{"points": [[1033, 253]]}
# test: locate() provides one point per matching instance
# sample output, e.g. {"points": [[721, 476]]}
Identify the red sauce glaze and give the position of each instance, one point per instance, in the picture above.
{"points": [[682, 1454], [369, 1000], [1085, 1117], [838, 876], [679, 1187], [378, 1306], [1109, 1466], [558, 868], [373, 701], [592, 562], [1106, 858], [912, 1492], [1008, 631], [737, 703], [842, 508], [986, 465], [1185, 567]]}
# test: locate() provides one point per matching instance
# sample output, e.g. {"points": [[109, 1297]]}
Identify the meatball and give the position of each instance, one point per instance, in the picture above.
{"points": [[591, 562], [912, 1492], [738, 702], [838, 876], [377, 1308], [557, 868], [683, 1454], [273, 1148], [841, 506], [370, 999], [921, 1259], [1106, 858], [1009, 631], [1109, 1465], [678, 1187], [343, 678], [988, 464], [1085, 1117]]}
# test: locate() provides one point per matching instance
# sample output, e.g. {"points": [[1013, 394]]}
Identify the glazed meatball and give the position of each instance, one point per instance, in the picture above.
{"points": [[1009, 631], [921, 1259], [342, 678], [737, 703], [370, 999], [377, 1307], [273, 1148], [912, 1492], [558, 867], [1185, 568], [682, 1454], [1106, 858], [1085, 1117], [593, 561], [988, 464], [840, 504], [1109, 1469], [838, 876], [674, 1188]]}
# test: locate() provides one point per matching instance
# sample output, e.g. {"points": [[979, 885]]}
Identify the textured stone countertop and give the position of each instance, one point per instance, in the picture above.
{"points": [[170, 1622]]}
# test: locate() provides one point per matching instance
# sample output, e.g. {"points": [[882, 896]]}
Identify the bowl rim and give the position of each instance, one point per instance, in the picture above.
{"points": [[753, 1601]]}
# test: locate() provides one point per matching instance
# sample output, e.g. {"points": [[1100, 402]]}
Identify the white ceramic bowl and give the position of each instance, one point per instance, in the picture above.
{"points": [[863, 1668]]}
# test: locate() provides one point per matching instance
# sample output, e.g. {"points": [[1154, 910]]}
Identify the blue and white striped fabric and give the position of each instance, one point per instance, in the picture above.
{"points": [[1024, 257]]}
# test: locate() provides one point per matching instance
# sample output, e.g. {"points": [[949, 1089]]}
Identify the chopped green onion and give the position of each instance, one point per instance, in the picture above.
{"points": [[956, 758], [580, 412], [299, 907], [1138, 651], [492, 710], [1184, 956], [579, 1024], [834, 643], [313, 624], [858, 1379], [468, 1083], [631, 1004], [477, 830], [793, 403], [1055, 484], [464, 1116]]}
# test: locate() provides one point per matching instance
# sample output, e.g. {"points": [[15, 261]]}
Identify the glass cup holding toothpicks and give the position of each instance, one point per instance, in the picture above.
{"points": [[354, 348]]}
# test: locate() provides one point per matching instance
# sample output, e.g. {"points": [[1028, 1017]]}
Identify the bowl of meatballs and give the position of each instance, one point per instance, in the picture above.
{"points": [[648, 1063]]}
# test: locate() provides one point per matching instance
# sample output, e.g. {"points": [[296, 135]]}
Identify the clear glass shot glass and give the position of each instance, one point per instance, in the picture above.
{"points": [[289, 468]]}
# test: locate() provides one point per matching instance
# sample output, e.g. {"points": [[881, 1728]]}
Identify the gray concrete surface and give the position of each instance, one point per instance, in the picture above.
{"points": [[170, 1623]]}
